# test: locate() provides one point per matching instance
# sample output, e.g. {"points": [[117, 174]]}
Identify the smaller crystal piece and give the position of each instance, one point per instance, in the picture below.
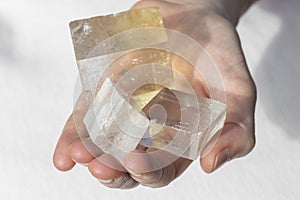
{"points": [[188, 124], [113, 124]]}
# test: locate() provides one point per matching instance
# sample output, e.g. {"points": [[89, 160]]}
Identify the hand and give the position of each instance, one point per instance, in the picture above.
{"points": [[209, 23]]}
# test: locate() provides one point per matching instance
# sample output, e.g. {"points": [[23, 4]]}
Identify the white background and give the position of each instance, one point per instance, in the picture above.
{"points": [[37, 77]]}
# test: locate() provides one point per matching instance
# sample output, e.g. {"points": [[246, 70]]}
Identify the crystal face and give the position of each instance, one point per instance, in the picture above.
{"points": [[189, 122], [113, 124]]}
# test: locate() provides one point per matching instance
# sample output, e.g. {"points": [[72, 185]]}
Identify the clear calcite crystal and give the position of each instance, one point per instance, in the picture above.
{"points": [[88, 34], [189, 124], [113, 124]]}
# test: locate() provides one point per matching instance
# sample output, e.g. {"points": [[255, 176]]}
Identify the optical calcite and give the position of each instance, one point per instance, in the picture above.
{"points": [[113, 124], [189, 123], [101, 41]]}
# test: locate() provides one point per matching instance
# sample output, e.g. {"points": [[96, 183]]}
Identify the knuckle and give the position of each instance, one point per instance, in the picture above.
{"points": [[168, 175], [123, 182]]}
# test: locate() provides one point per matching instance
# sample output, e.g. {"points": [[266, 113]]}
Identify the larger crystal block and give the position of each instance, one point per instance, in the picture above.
{"points": [[110, 43], [182, 123], [113, 124]]}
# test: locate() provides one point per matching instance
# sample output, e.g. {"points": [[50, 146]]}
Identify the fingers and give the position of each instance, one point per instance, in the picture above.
{"points": [[71, 149], [147, 170], [61, 157], [122, 182], [106, 169], [83, 151], [234, 142], [74, 126]]}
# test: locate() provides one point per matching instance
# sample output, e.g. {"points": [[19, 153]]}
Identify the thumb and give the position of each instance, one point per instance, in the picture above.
{"points": [[234, 141]]}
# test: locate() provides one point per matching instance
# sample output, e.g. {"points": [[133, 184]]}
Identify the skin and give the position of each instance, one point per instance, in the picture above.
{"points": [[220, 40]]}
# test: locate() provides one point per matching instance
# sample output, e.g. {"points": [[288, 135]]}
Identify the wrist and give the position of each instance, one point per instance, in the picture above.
{"points": [[232, 10]]}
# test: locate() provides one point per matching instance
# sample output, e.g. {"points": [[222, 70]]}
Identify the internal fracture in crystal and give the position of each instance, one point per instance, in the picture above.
{"points": [[113, 124]]}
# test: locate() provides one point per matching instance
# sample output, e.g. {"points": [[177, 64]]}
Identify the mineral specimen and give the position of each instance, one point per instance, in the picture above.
{"points": [[189, 122], [113, 124], [101, 41]]}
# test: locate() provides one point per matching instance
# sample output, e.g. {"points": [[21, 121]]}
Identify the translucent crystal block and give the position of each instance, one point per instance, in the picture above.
{"points": [[87, 34], [142, 74], [113, 124], [187, 125], [100, 41]]}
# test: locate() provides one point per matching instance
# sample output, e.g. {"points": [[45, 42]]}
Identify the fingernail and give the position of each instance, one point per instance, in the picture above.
{"points": [[105, 181], [221, 158], [135, 174]]}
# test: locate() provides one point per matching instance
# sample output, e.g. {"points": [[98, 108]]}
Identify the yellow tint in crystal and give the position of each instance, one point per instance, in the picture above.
{"points": [[144, 95], [88, 34], [142, 74]]}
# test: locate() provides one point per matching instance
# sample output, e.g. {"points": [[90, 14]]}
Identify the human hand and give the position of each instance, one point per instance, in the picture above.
{"points": [[209, 23]]}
